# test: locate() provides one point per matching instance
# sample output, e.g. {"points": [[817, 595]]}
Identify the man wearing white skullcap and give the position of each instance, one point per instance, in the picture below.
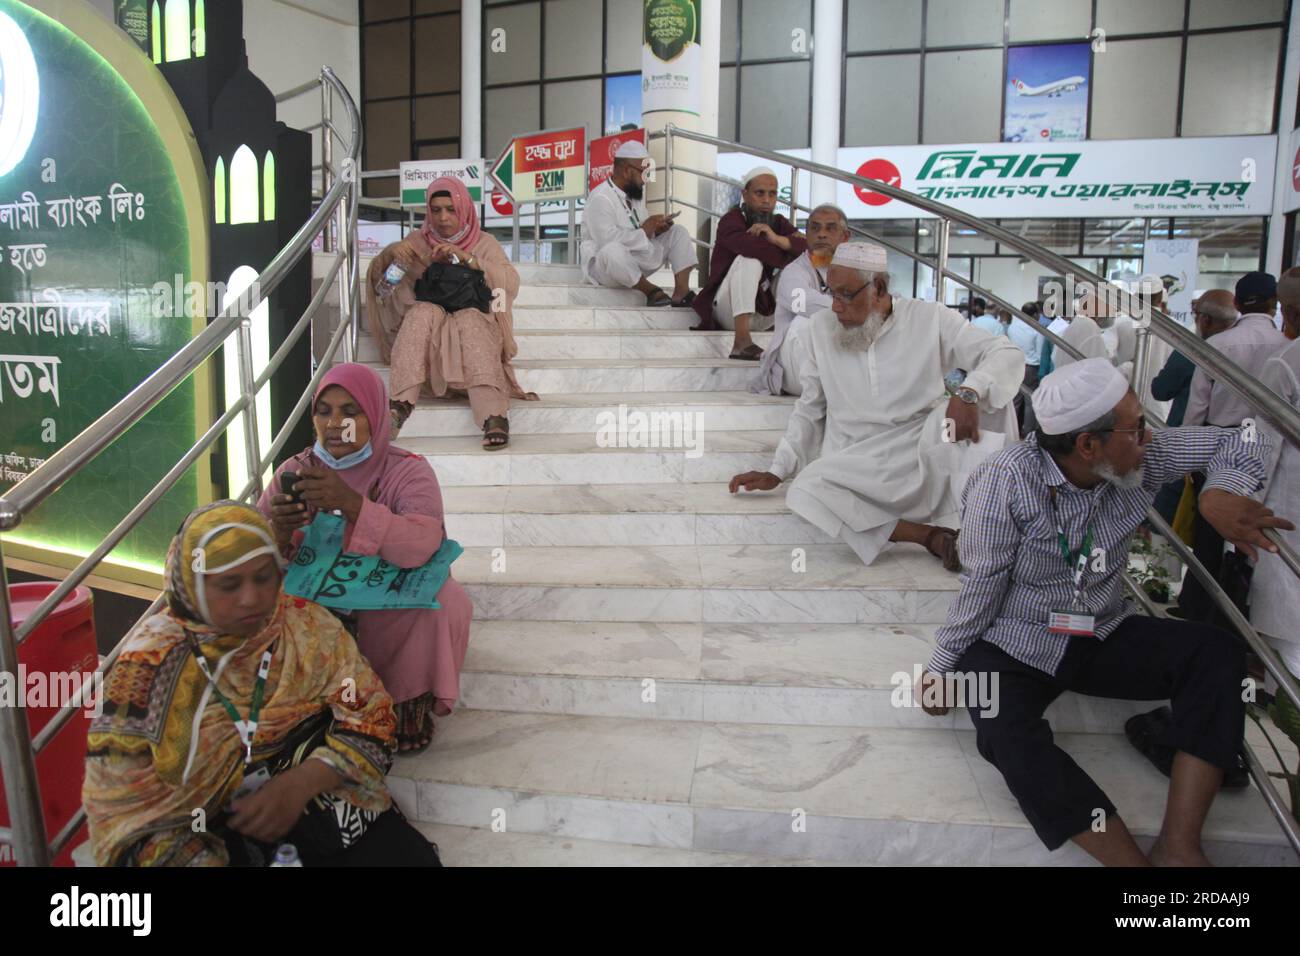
{"points": [[622, 244], [1046, 525], [875, 453], [752, 243]]}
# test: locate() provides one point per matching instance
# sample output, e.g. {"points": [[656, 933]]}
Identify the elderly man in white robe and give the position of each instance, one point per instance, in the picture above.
{"points": [[623, 244], [894, 454], [801, 291]]}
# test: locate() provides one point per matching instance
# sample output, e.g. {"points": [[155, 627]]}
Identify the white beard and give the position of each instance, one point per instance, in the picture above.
{"points": [[1131, 480], [859, 338]]}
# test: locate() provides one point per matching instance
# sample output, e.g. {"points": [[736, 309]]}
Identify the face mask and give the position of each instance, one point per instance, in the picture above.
{"points": [[347, 461]]}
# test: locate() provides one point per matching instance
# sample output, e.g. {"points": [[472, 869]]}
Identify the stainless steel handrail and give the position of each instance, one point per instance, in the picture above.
{"points": [[17, 749], [1191, 345]]}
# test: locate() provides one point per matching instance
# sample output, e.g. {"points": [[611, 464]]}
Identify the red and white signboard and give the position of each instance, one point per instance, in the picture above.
{"points": [[544, 166], [1291, 175], [600, 163]]}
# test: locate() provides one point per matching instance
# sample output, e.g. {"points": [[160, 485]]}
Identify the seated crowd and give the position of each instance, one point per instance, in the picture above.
{"points": [[276, 720]]}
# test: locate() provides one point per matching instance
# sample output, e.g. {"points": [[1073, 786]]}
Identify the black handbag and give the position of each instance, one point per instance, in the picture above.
{"points": [[454, 287]]}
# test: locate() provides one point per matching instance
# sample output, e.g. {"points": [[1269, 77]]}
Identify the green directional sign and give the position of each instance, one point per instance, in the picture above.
{"points": [[504, 170]]}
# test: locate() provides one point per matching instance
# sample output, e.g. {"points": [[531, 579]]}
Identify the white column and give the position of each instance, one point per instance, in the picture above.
{"points": [[1285, 123], [828, 60], [471, 79]]}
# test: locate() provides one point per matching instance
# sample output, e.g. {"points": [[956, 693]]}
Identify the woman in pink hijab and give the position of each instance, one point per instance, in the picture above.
{"points": [[465, 353], [393, 508]]}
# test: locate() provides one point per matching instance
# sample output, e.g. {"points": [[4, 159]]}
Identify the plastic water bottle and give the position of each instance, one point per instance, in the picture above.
{"points": [[286, 855], [392, 276]]}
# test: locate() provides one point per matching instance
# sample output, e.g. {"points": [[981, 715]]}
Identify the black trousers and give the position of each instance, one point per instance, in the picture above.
{"points": [[1197, 667], [1194, 600]]}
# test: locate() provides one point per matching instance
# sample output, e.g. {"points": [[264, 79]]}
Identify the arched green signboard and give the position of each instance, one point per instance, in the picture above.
{"points": [[101, 199]]}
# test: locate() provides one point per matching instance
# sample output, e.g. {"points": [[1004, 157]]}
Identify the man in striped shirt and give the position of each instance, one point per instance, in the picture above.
{"points": [[1045, 531]]}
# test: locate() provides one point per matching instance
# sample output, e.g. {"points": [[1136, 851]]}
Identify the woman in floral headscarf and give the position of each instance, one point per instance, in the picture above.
{"points": [[466, 352], [240, 717]]}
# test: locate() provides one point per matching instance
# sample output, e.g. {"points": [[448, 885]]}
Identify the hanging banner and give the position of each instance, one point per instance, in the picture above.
{"points": [[600, 161], [1095, 179], [1046, 95], [1292, 201], [548, 165], [1174, 260], [670, 56], [417, 174]]}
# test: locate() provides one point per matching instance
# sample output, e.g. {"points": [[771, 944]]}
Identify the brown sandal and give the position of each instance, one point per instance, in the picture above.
{"points": [[750, 353], [947, 547], [496, 432]]}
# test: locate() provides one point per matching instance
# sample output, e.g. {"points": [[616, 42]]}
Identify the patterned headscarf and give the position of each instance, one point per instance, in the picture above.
{"points": [[213, 539]]}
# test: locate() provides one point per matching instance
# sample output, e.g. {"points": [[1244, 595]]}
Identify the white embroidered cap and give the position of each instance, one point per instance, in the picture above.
{"points": [[1078, 394], [864, 256], [631, 149]]}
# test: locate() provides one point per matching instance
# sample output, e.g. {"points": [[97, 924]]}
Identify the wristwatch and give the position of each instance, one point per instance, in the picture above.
{"points": [[968, 395]]}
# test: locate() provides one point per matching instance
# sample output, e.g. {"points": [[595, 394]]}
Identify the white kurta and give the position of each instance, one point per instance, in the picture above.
{"points": [[1274, 590], [866, 436], [1085, 335], [800, 284], [615, 250]]}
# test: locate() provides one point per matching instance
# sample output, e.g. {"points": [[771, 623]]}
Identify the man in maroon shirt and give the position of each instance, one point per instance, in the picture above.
{"points": [[751, 244]]}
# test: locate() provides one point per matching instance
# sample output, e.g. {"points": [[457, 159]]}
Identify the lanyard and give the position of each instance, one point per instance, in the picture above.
{"points": [[246, 729], [636, 220], [1074, 565]]}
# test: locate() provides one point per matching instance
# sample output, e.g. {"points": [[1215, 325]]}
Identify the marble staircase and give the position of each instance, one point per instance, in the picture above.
{"points": [[661, 673]]}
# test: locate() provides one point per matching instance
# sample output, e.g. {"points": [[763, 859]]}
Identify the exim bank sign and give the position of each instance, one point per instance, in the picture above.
{"points": [[1209, 176]]}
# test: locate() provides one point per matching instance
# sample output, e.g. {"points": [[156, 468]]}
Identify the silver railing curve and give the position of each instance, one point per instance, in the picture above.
{"points": [[1281, 415], [27, 832]]}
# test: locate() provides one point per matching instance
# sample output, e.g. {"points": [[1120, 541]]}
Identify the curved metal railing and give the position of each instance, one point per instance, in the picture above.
{"points": [[338, 208], [1204, 356]]}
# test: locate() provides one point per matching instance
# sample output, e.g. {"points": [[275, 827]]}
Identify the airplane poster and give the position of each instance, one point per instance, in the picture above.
{"points": [[1046, 95]]}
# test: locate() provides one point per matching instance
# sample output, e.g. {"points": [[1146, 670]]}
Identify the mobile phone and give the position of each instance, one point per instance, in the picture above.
{"points": [[288, 482]]}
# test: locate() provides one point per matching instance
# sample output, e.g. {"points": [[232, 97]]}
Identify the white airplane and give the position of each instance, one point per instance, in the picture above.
{"points": [[1055, 88]]}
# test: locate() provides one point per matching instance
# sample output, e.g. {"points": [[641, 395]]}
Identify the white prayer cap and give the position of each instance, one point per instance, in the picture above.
{"points": [[863, 256], [631, 149], [1078, 394], [756, 172], [1151, 284]]}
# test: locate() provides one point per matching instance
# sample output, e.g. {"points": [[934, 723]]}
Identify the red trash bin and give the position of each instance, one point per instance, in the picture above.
{"points": [[63, 645]]}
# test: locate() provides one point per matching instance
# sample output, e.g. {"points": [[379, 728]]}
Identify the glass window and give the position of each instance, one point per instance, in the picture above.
{"points": [[437, 6], [573, 31], [437, 55], [727, 103], [962, 23], [1059, 20], [963, 97], [963, 239], [623, 37], [507, 112], [386, 9], [1149, 16], [1058, 235], [1127, 66], [388, 60], [439, 151], [767, 28], [1113, 237], [1231, 83], [774, 105], [1233, 13], [873, 120], [519, 60], [388, 133], [883, 25], [727, 48], [576, 103], [437, 117]]}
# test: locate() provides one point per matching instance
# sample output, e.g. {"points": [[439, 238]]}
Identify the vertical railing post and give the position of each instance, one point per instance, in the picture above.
{"points": [[252, 446], [345, 248], [326, 156], [514, 231], [537, 232], [794, 196], [354, 250], [668, 169], [941, 261], [17, 761], [573, 231]]}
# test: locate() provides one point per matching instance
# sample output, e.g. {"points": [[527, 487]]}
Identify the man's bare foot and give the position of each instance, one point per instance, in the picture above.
{"points": [[1161, 854]]}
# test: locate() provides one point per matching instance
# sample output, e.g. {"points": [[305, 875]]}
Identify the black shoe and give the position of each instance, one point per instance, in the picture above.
{"points": [[1144, 732]]}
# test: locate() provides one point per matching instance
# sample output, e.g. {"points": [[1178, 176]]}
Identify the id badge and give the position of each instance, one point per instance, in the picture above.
{"points": [[252, 783], [1071, 622]]}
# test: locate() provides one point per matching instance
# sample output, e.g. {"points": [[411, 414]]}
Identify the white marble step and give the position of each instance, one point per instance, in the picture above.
{"points": [[479, 846], [848, 794], [577, 294], [600, 344], [619, 375], [580, 459], [813, 584], [563, 317], [585, 413], [802, 674], [661, 514]]}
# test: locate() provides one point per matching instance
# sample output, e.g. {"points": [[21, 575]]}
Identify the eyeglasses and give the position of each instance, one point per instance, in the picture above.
{"points": [[846, 299], [1139, 430]]}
